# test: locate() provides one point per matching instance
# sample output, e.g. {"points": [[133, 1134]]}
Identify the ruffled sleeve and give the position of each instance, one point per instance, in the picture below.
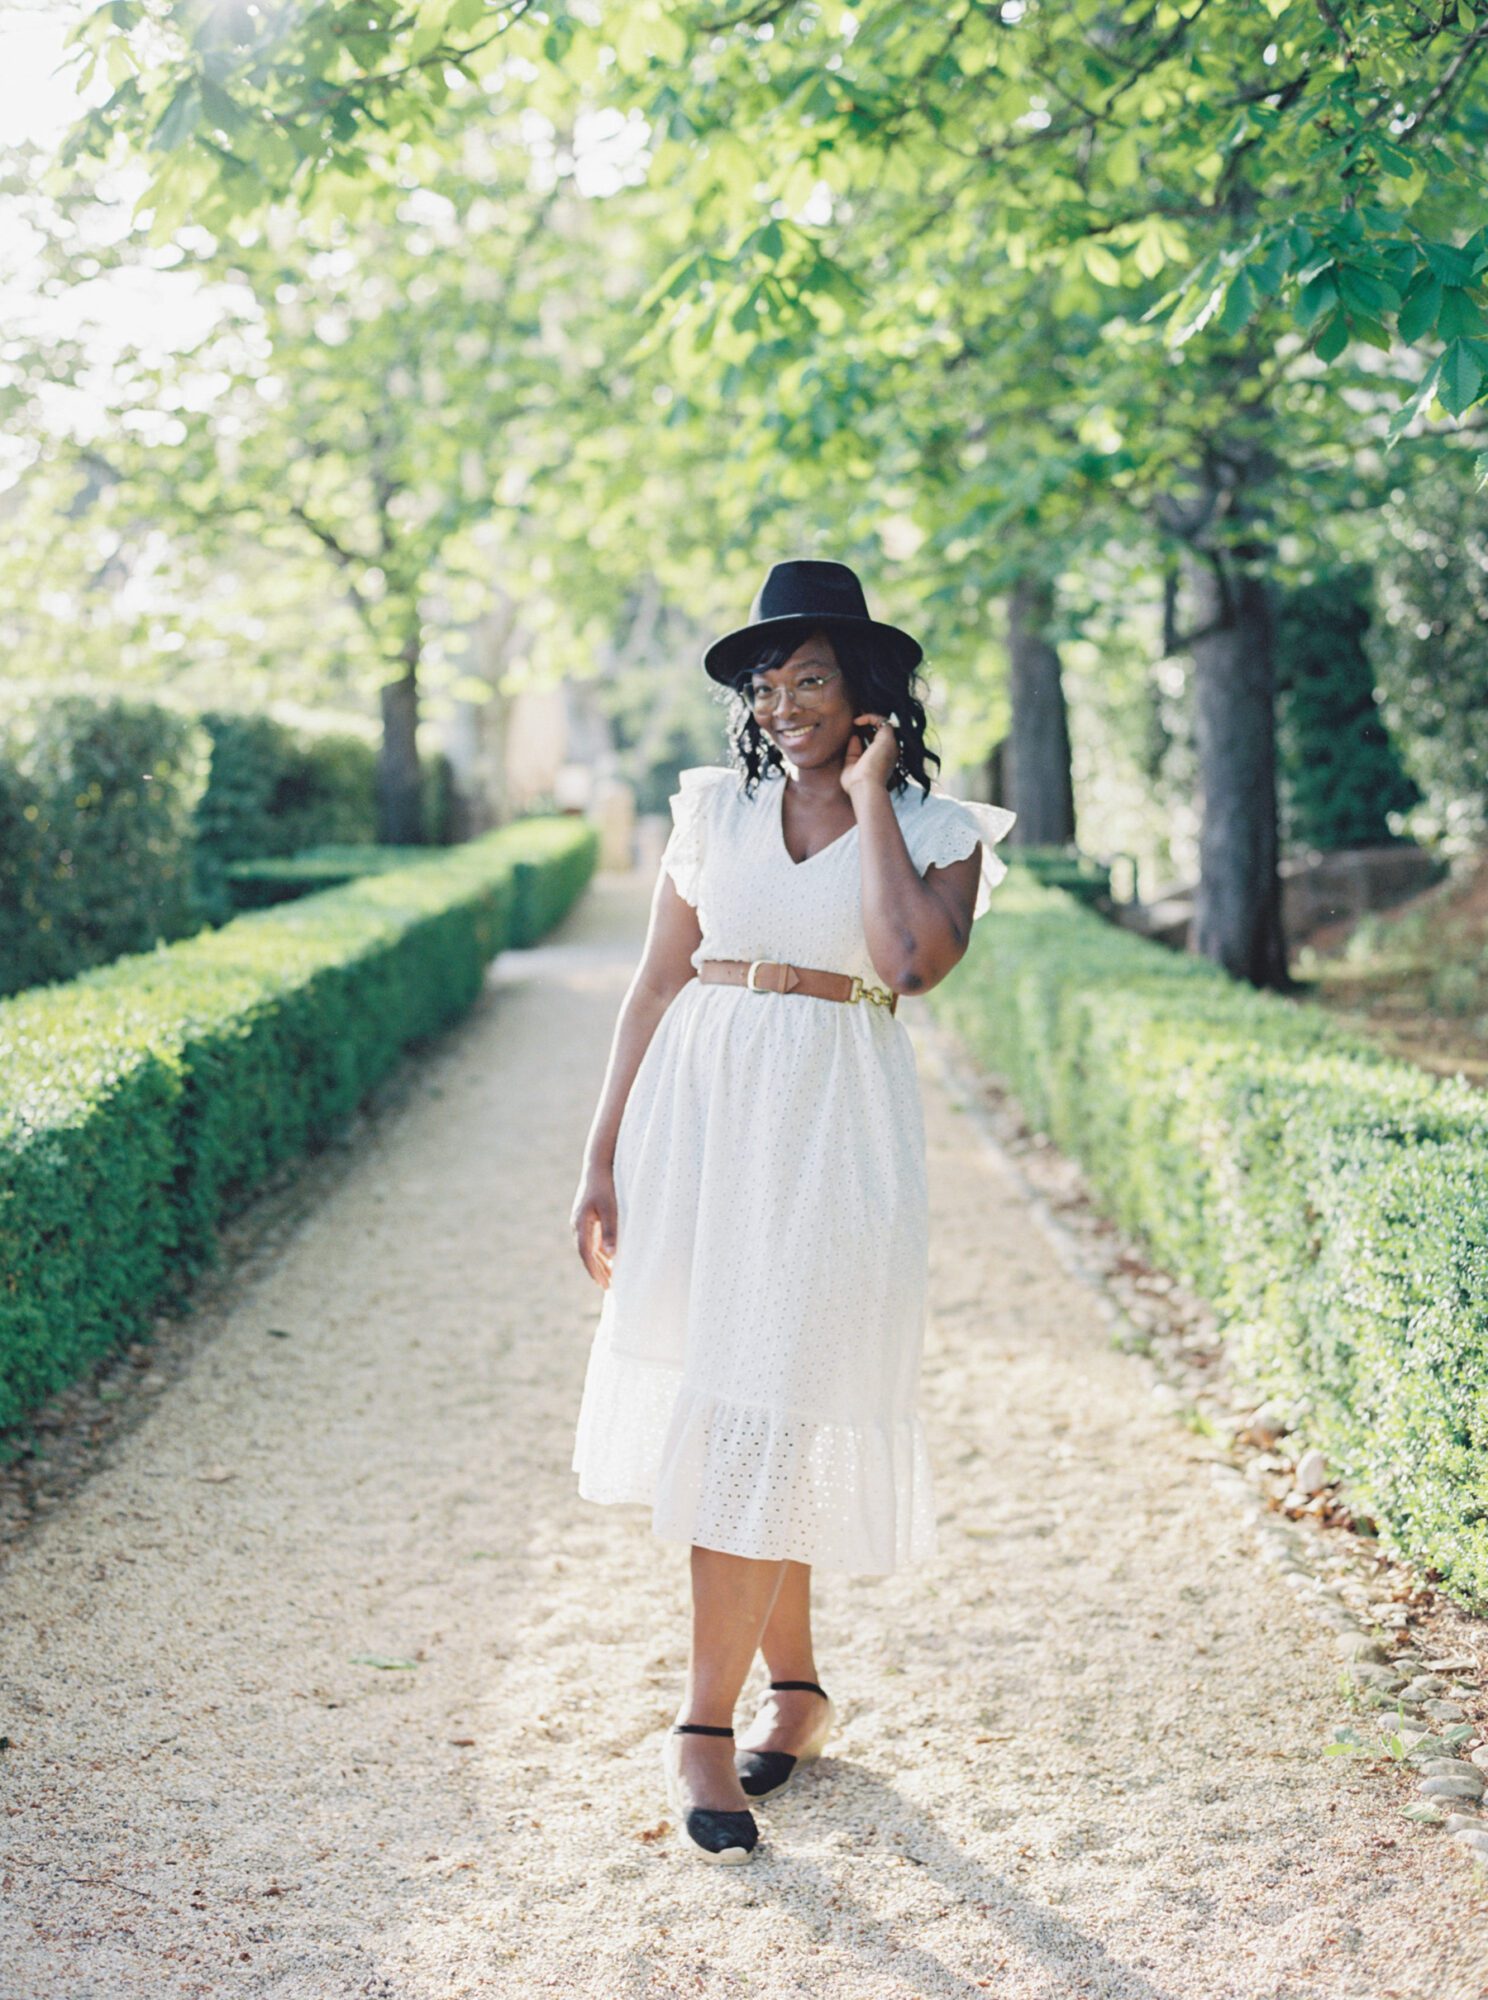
{"points": [[686, 849], [943, 829]]}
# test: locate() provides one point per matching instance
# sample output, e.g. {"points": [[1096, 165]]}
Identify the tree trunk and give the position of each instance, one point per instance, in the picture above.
{"points": [[400, 798], [1237, 911], [998, 788], [1036, 766]]}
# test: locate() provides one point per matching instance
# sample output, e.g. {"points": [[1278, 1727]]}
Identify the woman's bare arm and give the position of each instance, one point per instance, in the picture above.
{"points": [[917, 927], [672, 936]]}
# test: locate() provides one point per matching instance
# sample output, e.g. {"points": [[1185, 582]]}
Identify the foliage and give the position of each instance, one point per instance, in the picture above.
{"points": [[1300, 167], [118, 819], [361, 404], [1340, 773], [1328, 1201], [1430, 559], [144, 1103], [259, 884], [275, 790], [954, 292], [97, 801], [1079, 875]]}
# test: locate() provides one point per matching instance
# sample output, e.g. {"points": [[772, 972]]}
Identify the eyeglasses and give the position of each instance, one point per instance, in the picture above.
{"points": [[810, 691]]}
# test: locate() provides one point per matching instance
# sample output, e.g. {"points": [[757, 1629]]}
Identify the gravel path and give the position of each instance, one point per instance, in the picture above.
{"points": [[1080, 1753]]}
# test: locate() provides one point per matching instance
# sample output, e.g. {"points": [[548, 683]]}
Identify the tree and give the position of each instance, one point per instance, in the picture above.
{"points": [[1246, 231], [375, 394], [1313, 169]]}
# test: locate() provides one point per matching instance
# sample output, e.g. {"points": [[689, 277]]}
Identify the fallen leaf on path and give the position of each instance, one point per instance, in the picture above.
{"points": [[655, 1832], [376, 1660]]}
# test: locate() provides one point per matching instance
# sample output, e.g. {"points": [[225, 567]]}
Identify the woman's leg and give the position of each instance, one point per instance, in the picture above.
{"points": [[786, 1642], [731, 1600], [787, 1720]]}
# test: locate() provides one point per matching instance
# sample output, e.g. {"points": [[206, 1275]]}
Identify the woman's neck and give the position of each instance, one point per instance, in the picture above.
{"points": [[820, 785]]}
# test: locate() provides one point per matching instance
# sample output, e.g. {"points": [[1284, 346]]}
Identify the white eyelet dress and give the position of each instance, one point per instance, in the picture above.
{"points": [[754, 1375]]}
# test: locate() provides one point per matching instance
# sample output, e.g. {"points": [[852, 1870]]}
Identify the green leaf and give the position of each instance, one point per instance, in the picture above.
{"points": [[1365, 292], [1102, 266], [1398, 165], [1420, 307], [1452, 266], [1123, 159], [1149, 255], [1267, 272], [1458, 380], [770, 242], [1371, 331], [1318, 295], [428, 29], [178, 120], [1460, 313], [376, 1660], [1466, 20], [1240, 303], [1406, 415], [676, 278], [219, 108], [1331, 337]]}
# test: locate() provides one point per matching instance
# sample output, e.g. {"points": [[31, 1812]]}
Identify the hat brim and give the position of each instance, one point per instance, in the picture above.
{"points": [[729, 655]]}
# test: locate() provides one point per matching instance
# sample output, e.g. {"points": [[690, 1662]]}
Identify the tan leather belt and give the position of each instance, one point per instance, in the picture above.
{"points": [[768, 975]]}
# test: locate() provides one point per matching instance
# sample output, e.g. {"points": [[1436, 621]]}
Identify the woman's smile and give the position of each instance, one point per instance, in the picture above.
{"points": [[793, 732]]}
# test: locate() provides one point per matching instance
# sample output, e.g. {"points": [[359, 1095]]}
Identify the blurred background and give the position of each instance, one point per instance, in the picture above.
{"points": [[397, 400]]}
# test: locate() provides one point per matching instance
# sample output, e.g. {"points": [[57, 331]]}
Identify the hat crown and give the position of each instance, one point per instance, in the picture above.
{"points": [[798, 588], [796, 597]]}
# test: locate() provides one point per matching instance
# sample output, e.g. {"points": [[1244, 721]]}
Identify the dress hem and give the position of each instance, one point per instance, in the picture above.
{"points": [[688, 1455]]}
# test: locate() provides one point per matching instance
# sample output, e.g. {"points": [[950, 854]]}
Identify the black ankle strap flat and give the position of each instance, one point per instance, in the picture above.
{"points": [[715, 1835], [762, 1773]]}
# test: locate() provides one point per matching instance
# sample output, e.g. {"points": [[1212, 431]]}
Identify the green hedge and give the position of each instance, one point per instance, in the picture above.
{"points": [[1067, 868], [549, 875], [1329, 1201], [120, 820], [97, 800], [143, 1103], [278, 791], [260, 883]]}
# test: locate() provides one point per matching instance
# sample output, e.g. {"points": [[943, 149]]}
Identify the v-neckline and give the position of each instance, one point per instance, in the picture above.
{"points": [[806, 859]]}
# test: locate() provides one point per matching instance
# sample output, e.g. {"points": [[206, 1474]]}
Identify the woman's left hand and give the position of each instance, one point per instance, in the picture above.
{"points": [[875, 765]]}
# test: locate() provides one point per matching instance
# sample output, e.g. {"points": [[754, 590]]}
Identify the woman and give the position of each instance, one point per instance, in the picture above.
{"points": [[753, 1195]]}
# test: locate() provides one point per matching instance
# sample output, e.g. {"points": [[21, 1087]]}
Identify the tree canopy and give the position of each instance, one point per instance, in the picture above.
{"points": [[1015, 304]]}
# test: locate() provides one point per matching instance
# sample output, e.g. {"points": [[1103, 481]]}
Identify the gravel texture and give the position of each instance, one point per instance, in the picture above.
{"points": [[1081, 1754]]}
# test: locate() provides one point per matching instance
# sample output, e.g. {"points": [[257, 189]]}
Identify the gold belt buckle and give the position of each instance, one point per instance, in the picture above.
{"points": [[754, 966], [879, 995]]}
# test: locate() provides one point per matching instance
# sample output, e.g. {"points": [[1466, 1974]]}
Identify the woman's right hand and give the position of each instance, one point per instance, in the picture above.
{"points": [[595, 1223]]}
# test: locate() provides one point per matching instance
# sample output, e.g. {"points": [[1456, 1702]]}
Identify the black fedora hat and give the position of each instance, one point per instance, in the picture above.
{"points": [[800, 598]]}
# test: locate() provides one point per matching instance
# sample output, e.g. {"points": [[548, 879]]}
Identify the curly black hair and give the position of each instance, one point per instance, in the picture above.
{"points": [[876, 683]]}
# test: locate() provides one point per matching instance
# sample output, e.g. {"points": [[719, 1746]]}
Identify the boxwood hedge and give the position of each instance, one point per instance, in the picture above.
{"points": [[1329, 1201], [143, 1103], [273, 878]]}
